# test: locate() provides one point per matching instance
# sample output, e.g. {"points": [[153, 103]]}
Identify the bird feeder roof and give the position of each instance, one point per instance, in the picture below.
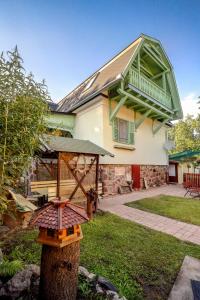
{"points": [[59, 215]]}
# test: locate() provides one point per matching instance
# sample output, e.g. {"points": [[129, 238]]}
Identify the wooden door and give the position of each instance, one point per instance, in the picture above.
{"points": [[173, 172], [136, 176]]}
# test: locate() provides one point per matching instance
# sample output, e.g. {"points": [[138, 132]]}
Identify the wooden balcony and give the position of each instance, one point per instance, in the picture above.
{"points": [[144, 84]]}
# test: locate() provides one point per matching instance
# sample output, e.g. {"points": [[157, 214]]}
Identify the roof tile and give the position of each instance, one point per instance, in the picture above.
{"points": [[48, 216]]}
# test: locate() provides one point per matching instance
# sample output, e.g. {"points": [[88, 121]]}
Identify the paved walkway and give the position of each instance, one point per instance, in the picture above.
{"points": [[180, 230]]}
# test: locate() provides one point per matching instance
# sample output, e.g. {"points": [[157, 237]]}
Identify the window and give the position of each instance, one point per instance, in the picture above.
{"points": [[70, 230], [90, 82], [123, 131], [51, 232]]}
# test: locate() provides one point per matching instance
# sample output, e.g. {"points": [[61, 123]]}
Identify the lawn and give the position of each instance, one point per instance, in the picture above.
{"points": [[142, 263], [183, 209]]}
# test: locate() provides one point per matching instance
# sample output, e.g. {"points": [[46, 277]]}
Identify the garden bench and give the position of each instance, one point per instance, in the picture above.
{"points": [[194, 192]]}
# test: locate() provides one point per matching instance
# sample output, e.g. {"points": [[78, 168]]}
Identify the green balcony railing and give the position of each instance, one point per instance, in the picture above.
{"points": [[149, 87]]}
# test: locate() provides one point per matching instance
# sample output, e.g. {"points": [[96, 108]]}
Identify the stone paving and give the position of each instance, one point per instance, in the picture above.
{"points": [[181, 230]]}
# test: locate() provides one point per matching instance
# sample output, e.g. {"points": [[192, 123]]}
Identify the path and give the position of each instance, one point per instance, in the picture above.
{"points": [[180, 230]]}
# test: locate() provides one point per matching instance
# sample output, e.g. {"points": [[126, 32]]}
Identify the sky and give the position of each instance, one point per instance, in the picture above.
{"points": [[64, 42]]}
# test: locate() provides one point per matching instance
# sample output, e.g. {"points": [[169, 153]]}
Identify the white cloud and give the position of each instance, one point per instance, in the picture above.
{"points": [[189, 104]]}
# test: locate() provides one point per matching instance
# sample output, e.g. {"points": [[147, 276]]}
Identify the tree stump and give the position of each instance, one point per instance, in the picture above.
{"points": [[59, 272]]}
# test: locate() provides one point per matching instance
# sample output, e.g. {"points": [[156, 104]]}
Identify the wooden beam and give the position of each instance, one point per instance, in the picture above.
{"points": [[138, 63], [45, 165], [97, 179], [154, 57], [158, 75], [169, 84], [159, 126], [155, 49], [117, 108], [137, 50], [146, 67], [164, 82], [139, 101], [58, 175], [146, 96], [110, 106], [79, 181], [141, 120]]}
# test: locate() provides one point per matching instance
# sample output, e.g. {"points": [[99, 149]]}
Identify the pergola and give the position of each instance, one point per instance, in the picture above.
{"points": [[79, 156]]}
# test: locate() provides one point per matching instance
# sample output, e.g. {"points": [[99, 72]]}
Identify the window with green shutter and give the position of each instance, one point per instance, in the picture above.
{"points": [[123, 131]]}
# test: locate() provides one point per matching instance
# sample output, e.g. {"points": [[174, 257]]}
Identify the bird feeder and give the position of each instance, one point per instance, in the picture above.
{"points": [[59, 223], [60, 234]]}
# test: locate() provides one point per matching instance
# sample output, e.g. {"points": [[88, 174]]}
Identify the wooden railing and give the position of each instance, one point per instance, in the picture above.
{"points": [[191, 180], [149, 87]]}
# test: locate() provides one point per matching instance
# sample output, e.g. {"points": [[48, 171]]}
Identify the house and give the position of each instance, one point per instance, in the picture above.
{"points": [[126, 107], [183, 162]]}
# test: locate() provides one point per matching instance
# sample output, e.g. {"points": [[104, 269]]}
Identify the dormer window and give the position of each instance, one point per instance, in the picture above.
{"points": [[90, 82]]}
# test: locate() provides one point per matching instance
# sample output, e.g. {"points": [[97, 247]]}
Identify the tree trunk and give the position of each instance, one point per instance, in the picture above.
{"points": [[59, 272]]}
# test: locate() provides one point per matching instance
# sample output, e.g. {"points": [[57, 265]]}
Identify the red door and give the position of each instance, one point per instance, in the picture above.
{"points": [[136, 176], [173, 172]]}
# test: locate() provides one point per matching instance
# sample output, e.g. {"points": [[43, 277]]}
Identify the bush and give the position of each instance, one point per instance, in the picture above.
{"points": [[10, 268]]}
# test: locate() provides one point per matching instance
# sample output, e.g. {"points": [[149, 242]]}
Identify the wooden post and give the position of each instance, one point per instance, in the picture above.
{"points": [[59, 272], [58, 176], [37, 171], [97, 179], [89, 208]]}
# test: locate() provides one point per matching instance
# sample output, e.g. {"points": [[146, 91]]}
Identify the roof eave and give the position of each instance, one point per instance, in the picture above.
{"points": [[92, 96]]}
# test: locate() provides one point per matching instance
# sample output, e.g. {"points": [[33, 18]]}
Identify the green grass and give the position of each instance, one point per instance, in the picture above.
{"points": [[142, 263], [186, 210]]}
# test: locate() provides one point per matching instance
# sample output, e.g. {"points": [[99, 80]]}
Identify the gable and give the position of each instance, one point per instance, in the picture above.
{"points": [[107, 75], [145, 55], [157, 76]]}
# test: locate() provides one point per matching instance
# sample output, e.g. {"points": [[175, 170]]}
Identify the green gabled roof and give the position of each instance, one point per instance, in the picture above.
{"points": [[50, 143], [183, 155], [105, 76], [114, 71]]}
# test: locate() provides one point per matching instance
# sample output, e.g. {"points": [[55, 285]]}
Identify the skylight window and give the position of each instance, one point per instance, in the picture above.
{"points": [[90, 82]]}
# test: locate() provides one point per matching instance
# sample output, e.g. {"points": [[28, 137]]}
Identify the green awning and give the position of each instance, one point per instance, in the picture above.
{"points": [[60, 121], [184, 155]]}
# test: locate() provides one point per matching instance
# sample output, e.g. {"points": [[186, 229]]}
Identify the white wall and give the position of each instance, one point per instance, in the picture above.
{"points": [[89, 123], [148, 147], [92, 123]]}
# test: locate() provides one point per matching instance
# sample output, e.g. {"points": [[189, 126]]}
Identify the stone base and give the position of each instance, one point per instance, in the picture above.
{"points": [[154, 175], [113, 176]]}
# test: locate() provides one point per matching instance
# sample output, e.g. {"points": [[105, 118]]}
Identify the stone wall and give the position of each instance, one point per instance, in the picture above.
{"points": [[154, 175], [112, 176]]}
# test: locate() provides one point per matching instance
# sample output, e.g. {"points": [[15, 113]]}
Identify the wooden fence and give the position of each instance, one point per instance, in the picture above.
{"points": [[191, 179]]}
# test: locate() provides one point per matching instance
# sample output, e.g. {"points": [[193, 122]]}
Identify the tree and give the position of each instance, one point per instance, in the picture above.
{"points": [[186, 134], [23, 107]]}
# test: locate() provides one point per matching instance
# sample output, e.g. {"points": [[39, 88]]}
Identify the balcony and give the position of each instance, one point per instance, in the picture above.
{"points": [[148, 87]]}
